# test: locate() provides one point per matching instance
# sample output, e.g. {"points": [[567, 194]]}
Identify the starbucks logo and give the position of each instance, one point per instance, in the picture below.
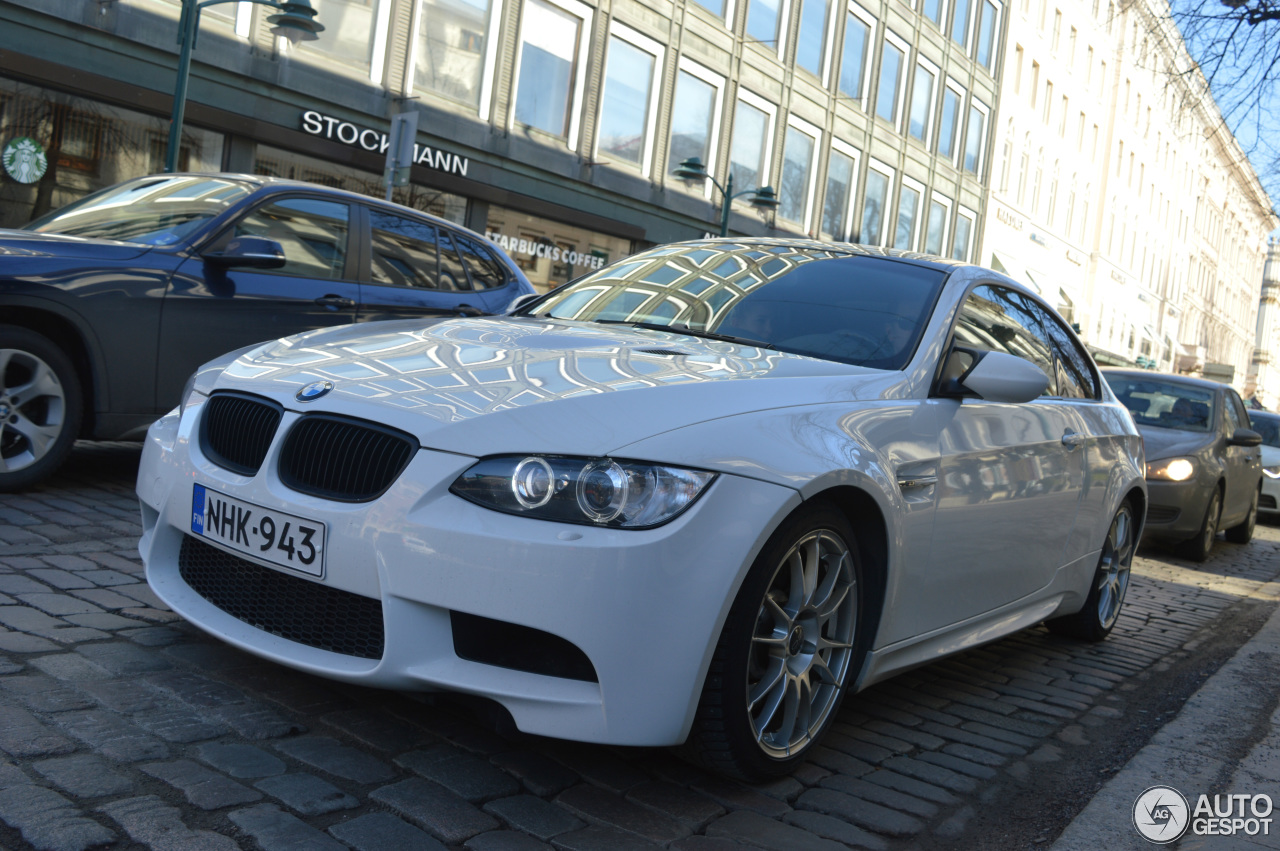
{"points": [[24, 159]]}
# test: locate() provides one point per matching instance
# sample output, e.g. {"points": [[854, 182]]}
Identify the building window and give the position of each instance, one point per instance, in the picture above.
{"points": [[949, 120], [974, 137], [934, 10], [716, 6], [962, 235], [960, 23], [811, 39], [355, 35], [451, 47], [550, 77], [837, 202], [909, 194], [853, 54], [695, 116], [749, 153], [889, 89], [875, 199], [765, 21], [627, 108], [922, 100], [988, 16], [798, 162], [935, 234]]}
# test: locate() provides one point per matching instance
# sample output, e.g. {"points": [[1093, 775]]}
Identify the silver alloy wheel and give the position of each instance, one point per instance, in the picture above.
{"points": [[1113, 570], [802, 644], [33, 409]]}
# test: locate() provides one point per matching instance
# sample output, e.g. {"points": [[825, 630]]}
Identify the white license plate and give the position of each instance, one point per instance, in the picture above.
{"points": [[264, 533]]}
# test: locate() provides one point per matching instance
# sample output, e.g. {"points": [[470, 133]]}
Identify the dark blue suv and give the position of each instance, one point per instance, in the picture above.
{"points": [[109, 304]]}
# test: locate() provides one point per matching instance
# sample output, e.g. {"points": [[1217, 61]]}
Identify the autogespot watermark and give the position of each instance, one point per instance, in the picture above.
{"points": [[1162, 814]]}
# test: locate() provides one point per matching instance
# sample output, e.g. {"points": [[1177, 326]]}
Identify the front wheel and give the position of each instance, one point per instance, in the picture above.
{"points": [[40, 407], [1198, 548], [1242, 533], [789, 647], [1110, 582]]}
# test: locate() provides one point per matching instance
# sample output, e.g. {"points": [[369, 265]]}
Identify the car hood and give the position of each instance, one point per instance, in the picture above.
{"points": [[496, 385], [1171, 442], [25, 243]]}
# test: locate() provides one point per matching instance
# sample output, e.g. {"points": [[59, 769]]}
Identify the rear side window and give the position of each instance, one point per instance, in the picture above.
{"points": [[485, 271], [312, 232], [453, 274], [999, 319], [403, 251]]}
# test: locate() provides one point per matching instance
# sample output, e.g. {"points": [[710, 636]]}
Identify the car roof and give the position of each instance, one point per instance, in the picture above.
{"points": [[1172, 378], [270, 183]]}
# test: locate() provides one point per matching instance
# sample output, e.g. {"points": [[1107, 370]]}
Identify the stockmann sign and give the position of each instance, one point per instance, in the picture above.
{"points": [[377, 141]]}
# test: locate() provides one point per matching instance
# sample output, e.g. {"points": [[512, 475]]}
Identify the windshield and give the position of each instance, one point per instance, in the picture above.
{"points": [[1266, 425], [1165, 404], [149, 211], [833, 303]]}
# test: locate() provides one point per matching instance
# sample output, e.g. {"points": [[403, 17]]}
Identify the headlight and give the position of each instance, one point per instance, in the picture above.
{"points": [[1171, 469], [1272, 472], [590, 491]]}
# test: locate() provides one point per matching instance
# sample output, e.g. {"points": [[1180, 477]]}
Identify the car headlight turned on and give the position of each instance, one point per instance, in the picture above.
{"points": [[588, 491], [1272, 472], [1171, 469]]}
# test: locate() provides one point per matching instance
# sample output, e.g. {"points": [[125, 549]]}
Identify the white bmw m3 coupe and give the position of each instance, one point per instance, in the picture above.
{"points": [[694, 497]]}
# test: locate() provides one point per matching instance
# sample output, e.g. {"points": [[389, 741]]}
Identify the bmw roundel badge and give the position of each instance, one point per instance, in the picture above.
{"points": [[313, 391]]}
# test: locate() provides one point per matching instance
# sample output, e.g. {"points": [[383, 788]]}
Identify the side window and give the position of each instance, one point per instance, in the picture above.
{"points": [[1003, 320], [1075, 376], [312, 232], [1234, 410], [403, 251], [453, 275], [486, 272]]}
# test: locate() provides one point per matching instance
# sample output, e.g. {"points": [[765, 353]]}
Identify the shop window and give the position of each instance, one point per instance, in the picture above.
{"points": [[313, 234], [853, 55], [749, 153], [450, 48], [551, 253], [922, 100], [974, 138], [909, 194], [949, 120], [550, 78], [889, 90], [694, 116], [811, 39], [935, 234], [795, 189], [841, 168], [875, 197], [627, 108]]}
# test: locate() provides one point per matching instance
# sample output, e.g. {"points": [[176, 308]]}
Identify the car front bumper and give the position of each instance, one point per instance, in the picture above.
{"points": [[1175, 510], [644, 606], [1269, 503]]}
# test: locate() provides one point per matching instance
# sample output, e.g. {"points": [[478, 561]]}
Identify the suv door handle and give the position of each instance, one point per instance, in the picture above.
{"points": [[1072, 439], [335, 302]]}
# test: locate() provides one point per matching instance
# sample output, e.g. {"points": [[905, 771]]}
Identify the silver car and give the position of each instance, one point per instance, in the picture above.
{"points": [[1204, 468], [1268, 425]]}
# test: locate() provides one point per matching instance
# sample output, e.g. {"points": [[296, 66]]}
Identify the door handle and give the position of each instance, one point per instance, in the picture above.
{"points": [[1072, 439], [335, 302]]}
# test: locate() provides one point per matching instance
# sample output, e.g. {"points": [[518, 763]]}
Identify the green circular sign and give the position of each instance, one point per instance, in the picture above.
{"points": [[24, 159]]}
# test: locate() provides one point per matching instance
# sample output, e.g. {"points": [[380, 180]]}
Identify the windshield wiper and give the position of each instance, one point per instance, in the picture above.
{"points": [[685, 329]]}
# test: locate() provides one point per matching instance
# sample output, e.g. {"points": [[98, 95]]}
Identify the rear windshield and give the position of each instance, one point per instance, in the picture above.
{"points": [[1267, 426], [831, 304], [150, 211], [1164, 403]]}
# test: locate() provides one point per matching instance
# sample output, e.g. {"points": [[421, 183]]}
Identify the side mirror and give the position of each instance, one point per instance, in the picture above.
{"points": [[1244, 437], [993, 376], [251, 252], [520, 301]]}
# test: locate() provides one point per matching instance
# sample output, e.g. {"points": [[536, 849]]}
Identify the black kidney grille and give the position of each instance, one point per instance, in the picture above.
{"points": [[236, 431], [344, 459], [293, 608]]}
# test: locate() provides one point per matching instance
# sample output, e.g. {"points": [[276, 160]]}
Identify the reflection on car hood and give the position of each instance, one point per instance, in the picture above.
{"points": [[1171, 442], [484, 386], [29, 243]]}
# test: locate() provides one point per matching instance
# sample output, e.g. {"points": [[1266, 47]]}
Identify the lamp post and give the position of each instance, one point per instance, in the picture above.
{"points": [[764, 198], [296, 22]]}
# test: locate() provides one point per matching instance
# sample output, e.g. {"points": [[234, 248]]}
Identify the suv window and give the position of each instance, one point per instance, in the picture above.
{"points": [[403, 251], [1004, 320], [312, 232]]}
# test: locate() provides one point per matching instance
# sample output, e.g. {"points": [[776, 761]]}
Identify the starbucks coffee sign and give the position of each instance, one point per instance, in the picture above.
{"points": [[24, 159]]}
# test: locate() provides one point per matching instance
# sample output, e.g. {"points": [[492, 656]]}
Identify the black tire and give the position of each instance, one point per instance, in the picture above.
{"points": [[1197, 549], [1242, 532], [1102, 606], [768, 639], [41, 406]]}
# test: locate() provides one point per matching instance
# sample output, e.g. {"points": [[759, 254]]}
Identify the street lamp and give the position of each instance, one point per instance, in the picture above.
{"points": [[764, 198], [296, 22]]}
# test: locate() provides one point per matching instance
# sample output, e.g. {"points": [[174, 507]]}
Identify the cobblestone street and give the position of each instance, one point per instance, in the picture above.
{"points": [[123, 725]]}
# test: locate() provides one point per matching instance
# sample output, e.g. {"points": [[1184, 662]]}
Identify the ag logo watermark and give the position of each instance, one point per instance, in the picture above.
{"points": [[1161, 814]]}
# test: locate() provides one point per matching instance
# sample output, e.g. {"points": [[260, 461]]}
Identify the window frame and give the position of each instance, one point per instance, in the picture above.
{"points": [[947, 205], [899, 103], [811, 182], [827, 62], [932, 108], [957, 130], [845, 149], [717, 82], [886, 214], [990, 64], [868, 59], [585, 14], [915, 186], [658, 51], [770, 110], [963, 212], [484, 105], [974, 103], [781, 31]]}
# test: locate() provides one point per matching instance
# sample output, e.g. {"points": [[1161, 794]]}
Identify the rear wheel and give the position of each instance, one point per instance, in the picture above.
{"points": [[1102, 607], [40, 407], [788, 649], [1243, 533], [1199, 547]]}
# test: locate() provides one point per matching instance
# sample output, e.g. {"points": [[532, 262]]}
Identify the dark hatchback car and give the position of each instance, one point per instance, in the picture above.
{"points": [[109, 304], [1204, 467]]}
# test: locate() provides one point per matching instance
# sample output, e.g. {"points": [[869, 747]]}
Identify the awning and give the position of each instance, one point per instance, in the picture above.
{"points": [[1006, 265]]}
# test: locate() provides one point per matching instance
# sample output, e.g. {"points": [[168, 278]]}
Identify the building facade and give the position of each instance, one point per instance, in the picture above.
{"points": [[1263, 388], [542, 123], [1119, 193]]}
